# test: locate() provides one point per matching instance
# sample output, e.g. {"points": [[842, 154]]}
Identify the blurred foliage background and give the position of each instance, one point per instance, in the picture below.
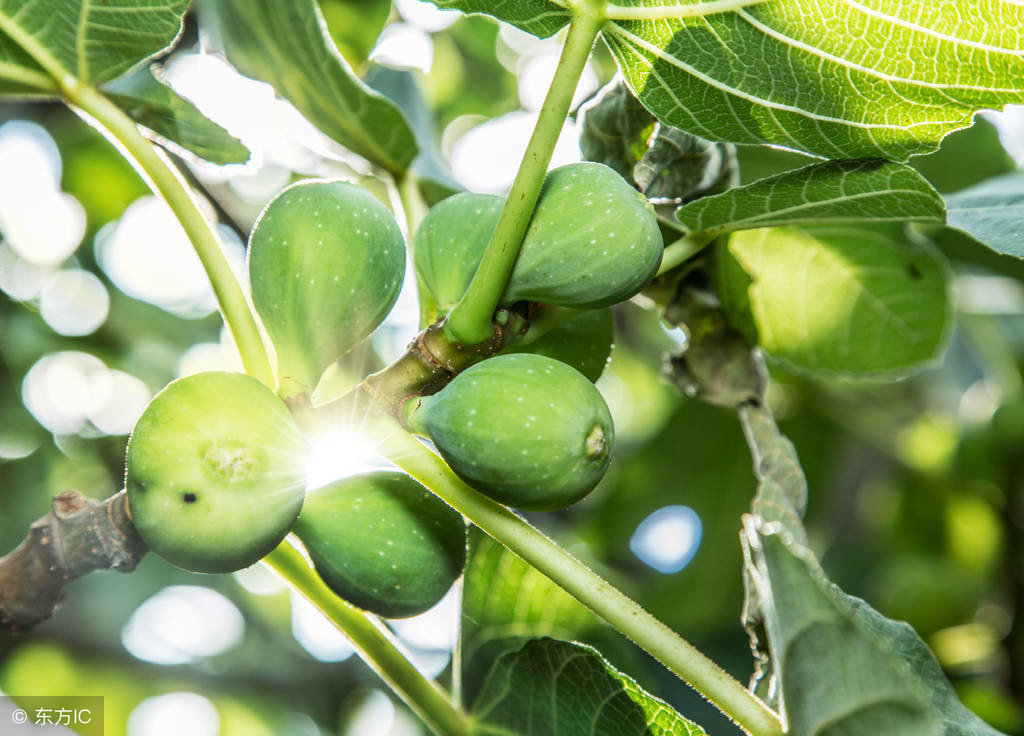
{"points": [[917, 487]]}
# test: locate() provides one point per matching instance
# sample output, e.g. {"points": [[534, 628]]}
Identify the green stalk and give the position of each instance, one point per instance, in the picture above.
{"points": [[611, 604], [415, 210], [469, 322], [374, 644], [167, 182], [683, 250]]}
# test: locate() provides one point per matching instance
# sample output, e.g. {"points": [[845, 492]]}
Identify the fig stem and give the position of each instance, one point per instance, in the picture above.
{"points": [[469, 321], [374, 644], [682, 250], [604, 599], [166, 181], [415, 209], [545, 319]]}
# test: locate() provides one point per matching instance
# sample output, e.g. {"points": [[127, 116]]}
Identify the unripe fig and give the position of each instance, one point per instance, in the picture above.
{"points": [[383, 542], [526, 430], [584, 342], [593, 241], [326, 260], [216, 472], [450, 242]]}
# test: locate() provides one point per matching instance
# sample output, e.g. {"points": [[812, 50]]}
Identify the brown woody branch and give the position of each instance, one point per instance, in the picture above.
{"points": [[75, 538], [79, 535]]}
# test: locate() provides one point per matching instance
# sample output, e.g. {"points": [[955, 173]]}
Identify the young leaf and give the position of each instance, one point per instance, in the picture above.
{"points": [[838, 667], [820, 194], [880, 78], [616, 128], [506, 601], [542, 18], [286, 44], [555, 688], [42, 41], [836, 300], [681, 166], [153, 104], [992, 212], [663, 162]]}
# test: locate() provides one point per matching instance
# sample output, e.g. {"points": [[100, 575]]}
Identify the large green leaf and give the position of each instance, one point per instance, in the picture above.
{"points": [[42, 40], [158, 107], [846, 669], [286, 44], [554, 688], [506, 601], [855, 79], [992, 212], [835, 665], [819, 194], [540, 17], [664, 162], [836, 300]]}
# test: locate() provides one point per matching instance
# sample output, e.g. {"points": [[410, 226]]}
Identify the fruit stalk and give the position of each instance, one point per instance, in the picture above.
{"points": [[164, 180], [677, 654], [470, 319], [373, 643], [682, 250], [415, 209]]}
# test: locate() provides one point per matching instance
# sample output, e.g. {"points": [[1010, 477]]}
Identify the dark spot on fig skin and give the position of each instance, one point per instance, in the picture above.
{"points": [[189, 498], [914, 271]]}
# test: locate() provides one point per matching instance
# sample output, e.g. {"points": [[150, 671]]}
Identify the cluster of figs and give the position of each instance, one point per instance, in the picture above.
{"points": [[216, 466]]}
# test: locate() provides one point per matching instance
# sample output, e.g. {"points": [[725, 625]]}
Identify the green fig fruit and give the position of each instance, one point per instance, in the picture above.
{"points": [[326, 260], [526, 430], [216, 472], [593, 241], [450, 242], [584, 342], [383, 542]]}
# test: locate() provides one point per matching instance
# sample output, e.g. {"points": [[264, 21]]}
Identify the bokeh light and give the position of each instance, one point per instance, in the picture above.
{"points": [[71, 392], [426, 15], [38, 221], [274, 132], [375, 714], [183, 624], [21, 279], [485, 159], [431, 636], [74, 302], [316, 634], [173, 715], [149, 257], [667, 539], [404, 46]]}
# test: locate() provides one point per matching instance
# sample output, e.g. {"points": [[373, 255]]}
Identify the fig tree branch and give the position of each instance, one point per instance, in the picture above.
{"points": [[79, 536], [75, 538]]}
